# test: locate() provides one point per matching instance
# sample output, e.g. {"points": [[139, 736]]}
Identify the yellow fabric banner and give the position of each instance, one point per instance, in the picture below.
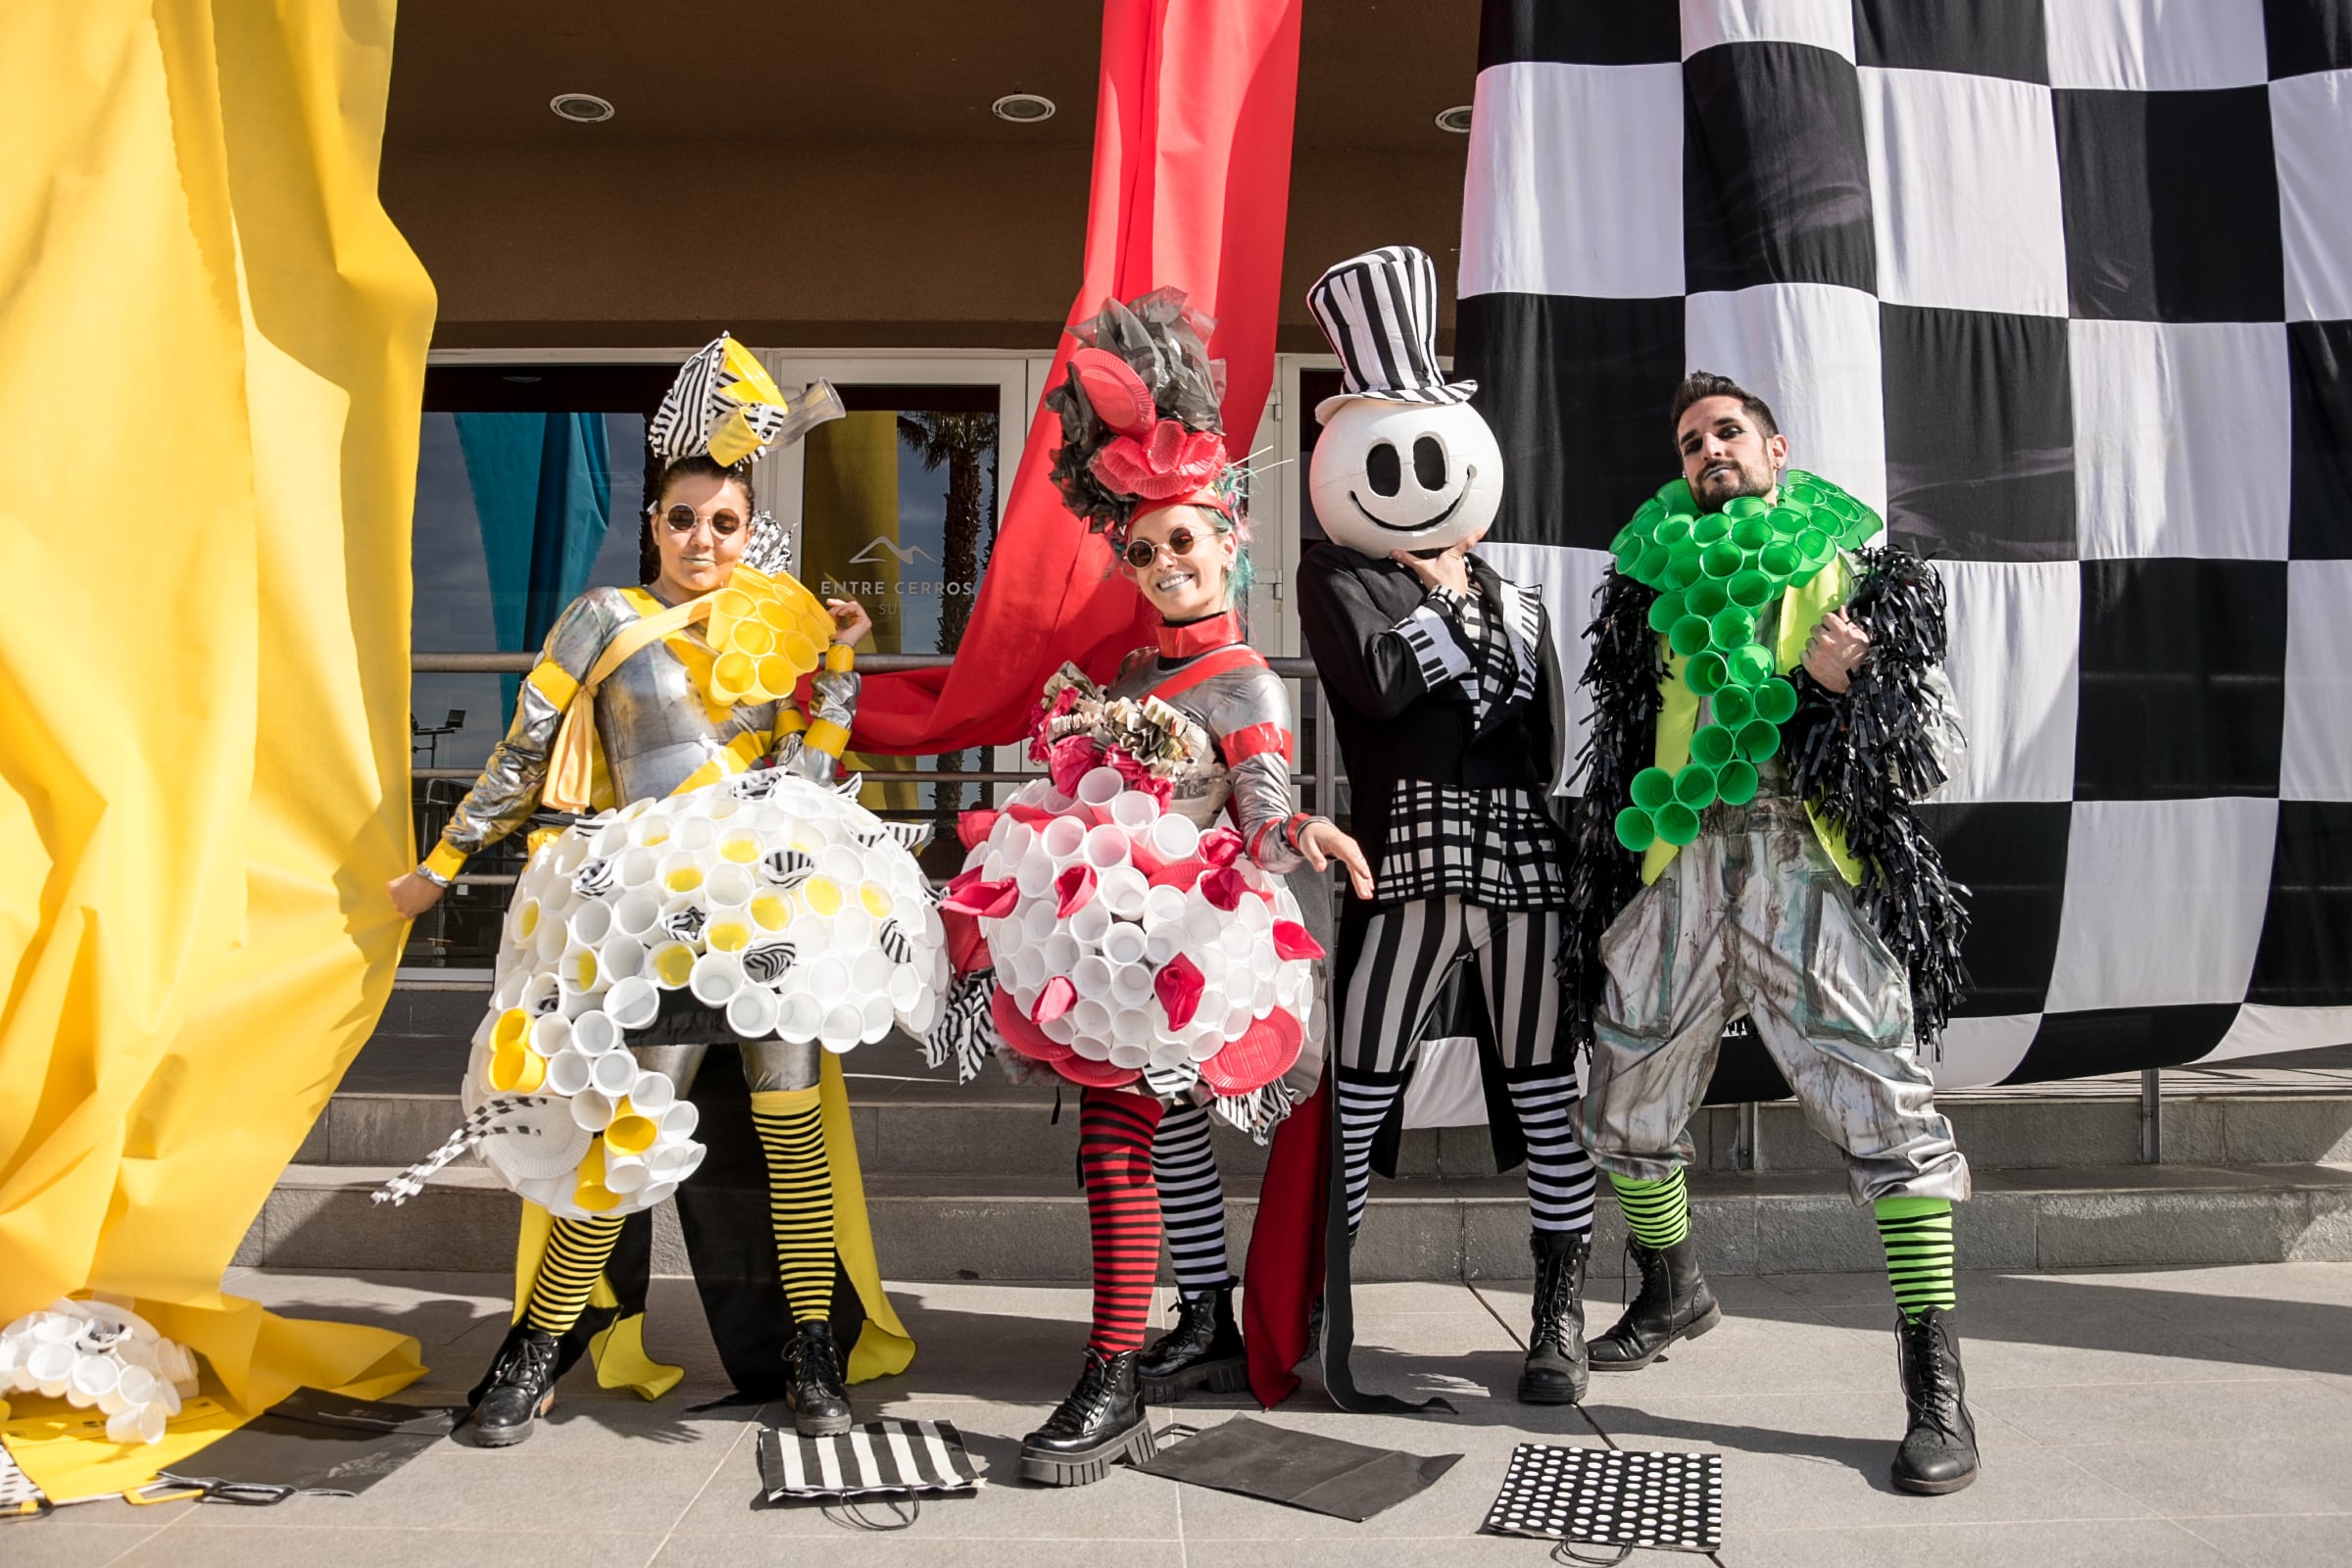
{"points": [[212, 352]]}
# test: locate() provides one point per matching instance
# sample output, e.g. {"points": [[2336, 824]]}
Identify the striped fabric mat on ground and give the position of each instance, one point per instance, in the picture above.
{"points": [[878, 1458]]}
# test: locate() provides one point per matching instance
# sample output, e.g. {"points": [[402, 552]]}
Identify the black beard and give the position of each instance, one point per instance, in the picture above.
{"points": [[1742, 484]]}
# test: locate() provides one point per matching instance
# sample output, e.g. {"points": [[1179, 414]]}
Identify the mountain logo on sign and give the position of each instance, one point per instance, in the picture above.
{"points": [[908, 555]]}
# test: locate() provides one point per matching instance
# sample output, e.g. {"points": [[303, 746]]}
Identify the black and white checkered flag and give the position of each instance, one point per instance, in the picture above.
{"points": [[489, 1119], [2065, 291]]}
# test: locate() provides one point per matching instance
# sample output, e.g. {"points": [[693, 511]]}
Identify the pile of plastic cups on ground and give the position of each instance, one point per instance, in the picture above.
{"points": [[103, 1354]]}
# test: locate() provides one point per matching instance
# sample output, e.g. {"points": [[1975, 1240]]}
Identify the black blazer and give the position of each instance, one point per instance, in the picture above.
{"points": [[1391, 724]]}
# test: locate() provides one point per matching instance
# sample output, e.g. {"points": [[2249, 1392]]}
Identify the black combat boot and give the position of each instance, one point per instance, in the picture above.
{"points": [[519, 1389], [1204, 1349], [820, 1405], [1675, 1304], [1100, 1424], [1939, 1450], [1558, 1368]]}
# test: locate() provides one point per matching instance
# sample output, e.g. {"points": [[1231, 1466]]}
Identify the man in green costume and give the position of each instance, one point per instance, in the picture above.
{"points": [[1767, 708]]}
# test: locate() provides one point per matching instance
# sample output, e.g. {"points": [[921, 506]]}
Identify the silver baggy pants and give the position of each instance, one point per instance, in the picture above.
{"points": [[766, 1063], [1754, 918]]}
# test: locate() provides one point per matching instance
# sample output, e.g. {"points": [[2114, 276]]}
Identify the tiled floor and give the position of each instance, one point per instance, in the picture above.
{"points": [[2189, 1416]]}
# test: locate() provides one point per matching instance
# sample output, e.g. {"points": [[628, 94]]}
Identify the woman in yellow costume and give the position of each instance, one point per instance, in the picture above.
{"points": [[715, 888]]}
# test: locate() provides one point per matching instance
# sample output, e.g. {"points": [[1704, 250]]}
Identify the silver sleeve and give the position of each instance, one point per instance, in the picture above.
{"points": [[1263, 803], [503, 799], [832, 695]]}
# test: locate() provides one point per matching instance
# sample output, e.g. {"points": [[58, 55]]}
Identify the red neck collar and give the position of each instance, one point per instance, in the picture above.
{"points": [[1200, 636]]}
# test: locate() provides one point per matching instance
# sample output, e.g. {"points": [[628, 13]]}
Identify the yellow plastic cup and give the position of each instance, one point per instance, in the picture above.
{"points": [[732, 676], [632, 1133], [513, 1028], [822, 896], [777, 674], [729, 934], [798, 650], [516, 1070], [770, 911], [876, 900], [753, 637]]}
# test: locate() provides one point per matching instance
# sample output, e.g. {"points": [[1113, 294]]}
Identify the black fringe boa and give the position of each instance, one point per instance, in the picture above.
{"points": [[1860, 759]]}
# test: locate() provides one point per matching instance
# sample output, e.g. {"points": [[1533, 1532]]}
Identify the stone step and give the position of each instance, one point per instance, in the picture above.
{"points": [[995, 1226], [916, 1128]]}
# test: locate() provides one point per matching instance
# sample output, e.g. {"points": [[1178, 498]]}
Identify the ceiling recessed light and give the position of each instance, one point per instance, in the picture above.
{"points": [[1022, 108], [584, 108], [1456, 119]]}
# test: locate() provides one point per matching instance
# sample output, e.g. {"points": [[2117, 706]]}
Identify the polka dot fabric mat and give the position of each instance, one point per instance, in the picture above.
{"points": [[1606, 1496]]}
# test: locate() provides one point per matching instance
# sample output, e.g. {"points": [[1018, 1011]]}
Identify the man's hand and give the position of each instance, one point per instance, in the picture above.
{"points": [[1322, 843], [1834, 650], [1448, 568], [412, 895]]}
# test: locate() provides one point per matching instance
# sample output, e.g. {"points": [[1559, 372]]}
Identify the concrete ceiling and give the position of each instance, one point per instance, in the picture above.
{"points": [[770, 77]]}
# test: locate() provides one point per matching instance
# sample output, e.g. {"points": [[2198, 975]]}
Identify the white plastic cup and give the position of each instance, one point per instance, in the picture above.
{"points": [[619, 957], [1091, 924], [716, 978], [668, 970], [1161, 944], [694, 834], [551, 941], [730, 886], [680, 1120], [139, 1424], [592, 1110], [877, 1018], [653, 1094], [612, 1074], [1163, 906], [1091, 976], [1098, 788], [578, 970], [541, 994], [626, 1173], [636, 913], [1238, 1020], [843, 1027], [1133, 811], [1255, 915], [869, 971], [1203, 921], [590, 922], [751, 1012], [569, 1072], [1104, 845], [630, 1004], [1174, 837], [1059, 1030], [1123, 944], [637, 867], [681, 872], [93, 1377], [1237, 942], [1035, 872], [1129, 1053], [610, 839], [1063, 839], [799, 1018], [550, 1033], [1038, 922], [1122, 888], [828, 981], [1131, 984], [1062, 953]]}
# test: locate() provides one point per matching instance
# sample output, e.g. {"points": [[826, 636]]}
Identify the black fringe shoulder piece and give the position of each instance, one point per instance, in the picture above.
{"points": [[1862, 759], [1624, 674]]}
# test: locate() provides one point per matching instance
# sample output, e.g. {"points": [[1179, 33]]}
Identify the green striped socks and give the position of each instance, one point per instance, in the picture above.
{"points": [[1918, 1235], [1658, 1213]]}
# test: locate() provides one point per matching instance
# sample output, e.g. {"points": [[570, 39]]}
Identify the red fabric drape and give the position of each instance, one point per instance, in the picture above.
{"points": [[1191, 189]]}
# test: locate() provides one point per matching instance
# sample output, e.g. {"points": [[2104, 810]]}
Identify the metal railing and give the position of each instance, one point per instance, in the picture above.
{"points": [[1310, 782]]}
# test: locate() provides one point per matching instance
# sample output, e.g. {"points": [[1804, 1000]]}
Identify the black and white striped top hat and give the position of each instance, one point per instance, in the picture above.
{"points": [[1380, 311]]}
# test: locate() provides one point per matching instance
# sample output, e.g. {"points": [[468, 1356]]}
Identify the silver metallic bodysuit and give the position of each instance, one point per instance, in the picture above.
{"points": [[1245, 711], [659, 734]]}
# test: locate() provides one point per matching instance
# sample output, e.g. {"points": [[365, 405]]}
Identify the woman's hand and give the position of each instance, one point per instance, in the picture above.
{"points": [[1323, 843], [413, 894], [850, 619]]}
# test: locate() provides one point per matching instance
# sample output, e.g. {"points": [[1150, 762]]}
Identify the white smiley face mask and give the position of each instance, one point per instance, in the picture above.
{"points": [[1390, 476]]}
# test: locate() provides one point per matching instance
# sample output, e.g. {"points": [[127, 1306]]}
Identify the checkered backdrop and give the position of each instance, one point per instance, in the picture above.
{"points": [[2064, 288]]}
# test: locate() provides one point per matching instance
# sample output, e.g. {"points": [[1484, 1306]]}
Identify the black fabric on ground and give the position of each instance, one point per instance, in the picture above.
{"points": [[1322, 1475], [312, 1440]]}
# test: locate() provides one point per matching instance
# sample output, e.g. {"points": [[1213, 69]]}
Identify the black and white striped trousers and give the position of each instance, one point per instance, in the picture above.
{"points": [[1406, 954]]}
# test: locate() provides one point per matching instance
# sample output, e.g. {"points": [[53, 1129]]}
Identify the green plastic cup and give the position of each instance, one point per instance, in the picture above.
{"points": [[1800, 487], [1732, 629], [1652, 788], [1734, 707], [1678, 824], [1706, 597], [1681, 566], [1665, 611], [1637, 830], [1739, 507], [1779, 559], [1629, 550], [1815, 545], [1688, 635], [1675, 495], [1649, 513], [1775, 701], [1711, 529], [1705, 674], [1751, 666], [1694, 786], [1713, 745], [1671, 530], [1721, 559], [1736, 783], [1753, 531], [1788, 516], [1758, 739], [1650, 566], [1750, 589]]}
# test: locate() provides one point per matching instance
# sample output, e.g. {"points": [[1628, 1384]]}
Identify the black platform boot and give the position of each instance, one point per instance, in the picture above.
{"points": [[1100, 1424], [1558, 1368], [1675, 1304], [820, 1405], [1204, 1348], [519, 1389], [1939, 1450]]}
